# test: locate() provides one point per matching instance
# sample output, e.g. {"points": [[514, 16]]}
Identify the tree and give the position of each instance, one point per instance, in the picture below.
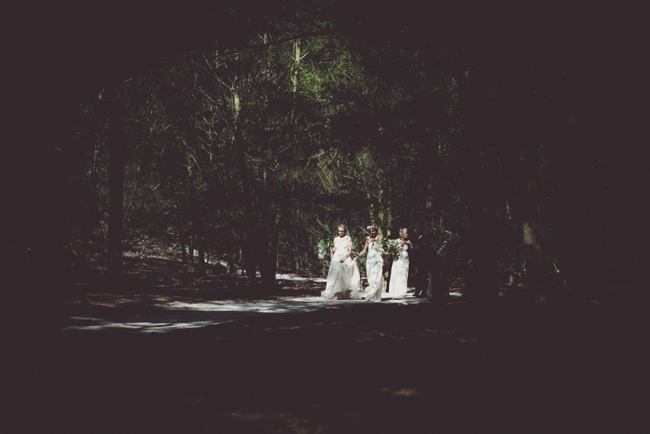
{"points": [[116, 150]]}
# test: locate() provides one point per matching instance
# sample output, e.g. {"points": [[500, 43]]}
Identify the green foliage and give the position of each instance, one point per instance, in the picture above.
{"points": [[390, 248], [303, 118]]}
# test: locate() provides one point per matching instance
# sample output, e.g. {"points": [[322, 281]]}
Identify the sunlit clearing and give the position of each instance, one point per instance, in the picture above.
{"points": [[178, 315], [97, 324], [278, 276]]}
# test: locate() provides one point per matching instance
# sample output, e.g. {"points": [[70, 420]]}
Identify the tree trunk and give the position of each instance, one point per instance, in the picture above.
{"points": [[190, 249], [182, 237], [268, 265], [480, 184], [390, 272], [249, 229], [533, 229], [275, 219], [116, 151], [92, 220], [200, 244]]}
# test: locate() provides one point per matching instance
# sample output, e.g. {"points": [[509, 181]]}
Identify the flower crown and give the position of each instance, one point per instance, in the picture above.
{"points": [[372, 227], [401, 231]]}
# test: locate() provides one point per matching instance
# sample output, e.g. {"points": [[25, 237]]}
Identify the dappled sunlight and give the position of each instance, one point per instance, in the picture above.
{"points": [[287, 305], [279, 276], [97, 324], [399, 392], [168, 313], [177, 315], [294, 278]]}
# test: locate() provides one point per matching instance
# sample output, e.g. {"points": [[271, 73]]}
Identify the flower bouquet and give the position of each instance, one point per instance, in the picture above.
{"points": [[324, 246], [390, 248]]}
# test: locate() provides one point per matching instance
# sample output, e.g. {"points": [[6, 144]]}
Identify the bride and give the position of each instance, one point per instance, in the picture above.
{"points": [[343, 279], [374, 265], [400, 270]]}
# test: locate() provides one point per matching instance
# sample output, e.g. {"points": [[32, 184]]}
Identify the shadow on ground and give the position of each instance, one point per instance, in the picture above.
{"points": [[362, 367], [162, 316]]}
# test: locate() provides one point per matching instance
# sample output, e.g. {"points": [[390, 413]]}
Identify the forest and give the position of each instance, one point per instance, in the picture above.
{"points": [[264, 127], [244, 133]]}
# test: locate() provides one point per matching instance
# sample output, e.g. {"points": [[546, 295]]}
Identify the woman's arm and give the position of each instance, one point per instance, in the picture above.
{"points": [[333, 246], [347, 255], [365, 248]]}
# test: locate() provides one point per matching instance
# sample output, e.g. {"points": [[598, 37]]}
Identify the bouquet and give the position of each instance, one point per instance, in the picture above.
{"points": [[390, 248], [324, 246]]}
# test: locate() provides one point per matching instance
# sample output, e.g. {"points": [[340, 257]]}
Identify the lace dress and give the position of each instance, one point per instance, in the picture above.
{"points": [[343, 277], [374, 271], [399, 273]]}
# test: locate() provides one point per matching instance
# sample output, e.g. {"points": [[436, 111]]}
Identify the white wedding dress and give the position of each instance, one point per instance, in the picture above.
{"points": [[374, 271], [399, 273], [343, 278]]}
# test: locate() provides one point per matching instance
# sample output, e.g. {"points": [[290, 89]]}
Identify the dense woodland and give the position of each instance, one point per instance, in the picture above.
{"points": [[248, 131], [245, 132]]}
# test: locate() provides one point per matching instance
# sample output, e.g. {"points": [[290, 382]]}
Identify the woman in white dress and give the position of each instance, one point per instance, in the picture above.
{"points": [[374, 265], [400, 270], [343, 279]]}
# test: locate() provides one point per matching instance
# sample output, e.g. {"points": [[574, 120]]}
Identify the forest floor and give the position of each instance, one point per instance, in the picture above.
{"points": [[349, 367]]}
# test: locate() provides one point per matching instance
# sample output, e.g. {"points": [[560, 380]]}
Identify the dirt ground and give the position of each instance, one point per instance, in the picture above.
{"points": [[376, 368]]}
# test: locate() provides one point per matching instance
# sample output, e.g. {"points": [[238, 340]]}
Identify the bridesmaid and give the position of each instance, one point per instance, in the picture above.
{"points": [[343, 279], [400, 270], [374, 265]]}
